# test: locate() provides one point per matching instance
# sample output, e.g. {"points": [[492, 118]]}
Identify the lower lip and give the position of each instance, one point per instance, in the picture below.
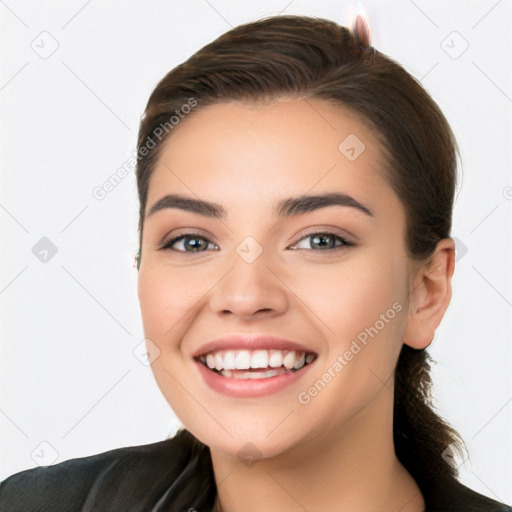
{"points": [[250, 388]]}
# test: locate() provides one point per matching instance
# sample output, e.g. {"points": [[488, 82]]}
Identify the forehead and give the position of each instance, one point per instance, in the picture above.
{"points": [[237, 152]]}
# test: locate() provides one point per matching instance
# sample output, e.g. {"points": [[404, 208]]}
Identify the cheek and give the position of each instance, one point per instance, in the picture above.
{"points": [[165, 297], [352, 296], [365, 312], [364, 308]]}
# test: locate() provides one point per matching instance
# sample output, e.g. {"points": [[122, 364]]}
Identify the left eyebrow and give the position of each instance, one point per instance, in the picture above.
{"points": [[284, 208], [304, 204]]}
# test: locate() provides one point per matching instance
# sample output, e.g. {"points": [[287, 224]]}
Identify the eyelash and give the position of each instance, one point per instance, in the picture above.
{"points": [[344, 242]]}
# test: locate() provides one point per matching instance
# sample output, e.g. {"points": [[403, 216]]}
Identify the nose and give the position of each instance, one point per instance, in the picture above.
{"points": [[249, 291]]}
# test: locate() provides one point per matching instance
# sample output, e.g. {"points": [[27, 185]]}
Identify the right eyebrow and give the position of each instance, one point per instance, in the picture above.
{"points": [[206, 208]]}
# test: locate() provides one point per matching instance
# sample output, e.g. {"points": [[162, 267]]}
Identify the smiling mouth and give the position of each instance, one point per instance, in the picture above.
{"points": [[255, 364]]}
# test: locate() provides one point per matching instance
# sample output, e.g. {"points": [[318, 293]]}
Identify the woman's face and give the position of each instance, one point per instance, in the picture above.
{"points": [[331, 278]]}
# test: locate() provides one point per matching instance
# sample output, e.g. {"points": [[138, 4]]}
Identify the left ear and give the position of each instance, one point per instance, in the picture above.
{"points": [[430, 295]]}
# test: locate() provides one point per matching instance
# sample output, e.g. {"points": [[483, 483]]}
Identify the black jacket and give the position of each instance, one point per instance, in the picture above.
{"points": [[172, 475]]}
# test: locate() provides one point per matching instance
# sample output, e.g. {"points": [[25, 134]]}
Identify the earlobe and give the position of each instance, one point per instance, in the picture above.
{"points": [[430, 295]]}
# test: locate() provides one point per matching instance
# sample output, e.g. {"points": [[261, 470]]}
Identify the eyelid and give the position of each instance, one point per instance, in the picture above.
{"points": [[326, 230], [190, 232], [185, 234]]}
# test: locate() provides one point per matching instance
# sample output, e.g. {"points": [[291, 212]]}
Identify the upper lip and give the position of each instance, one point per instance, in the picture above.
{"points": [[250, 342]]}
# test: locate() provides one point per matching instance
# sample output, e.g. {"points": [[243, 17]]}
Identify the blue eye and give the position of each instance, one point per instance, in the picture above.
{"points": [[194, 243], [323, 241]]}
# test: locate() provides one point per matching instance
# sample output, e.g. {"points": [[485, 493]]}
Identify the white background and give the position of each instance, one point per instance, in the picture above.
{"points": [[70, 325]]}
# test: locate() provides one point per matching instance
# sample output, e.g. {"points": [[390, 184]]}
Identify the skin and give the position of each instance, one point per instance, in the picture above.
{"points": [[324, 455]]}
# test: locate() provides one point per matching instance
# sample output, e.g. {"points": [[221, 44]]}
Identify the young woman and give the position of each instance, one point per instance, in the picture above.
{"points": [[296, 189]]}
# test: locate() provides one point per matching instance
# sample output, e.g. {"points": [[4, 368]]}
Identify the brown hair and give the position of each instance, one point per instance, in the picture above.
{"points": [[305, 57]]}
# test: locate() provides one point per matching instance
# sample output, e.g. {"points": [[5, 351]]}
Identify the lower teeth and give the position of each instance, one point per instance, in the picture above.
{"points": [[253, 375], [240, 374]]}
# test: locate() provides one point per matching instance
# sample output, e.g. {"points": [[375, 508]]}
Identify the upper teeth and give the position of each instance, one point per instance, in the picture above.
{"points": [[245, 359]]}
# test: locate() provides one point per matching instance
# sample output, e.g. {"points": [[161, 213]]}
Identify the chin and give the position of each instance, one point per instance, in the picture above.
{"points": [[249, 447]]}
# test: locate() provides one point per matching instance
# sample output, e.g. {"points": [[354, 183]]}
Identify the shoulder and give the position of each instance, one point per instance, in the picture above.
{"points": [[121, 479], [456, 497]]}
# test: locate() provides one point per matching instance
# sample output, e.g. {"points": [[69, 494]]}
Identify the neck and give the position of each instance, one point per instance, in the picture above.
{"points": [[355, 470]]}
